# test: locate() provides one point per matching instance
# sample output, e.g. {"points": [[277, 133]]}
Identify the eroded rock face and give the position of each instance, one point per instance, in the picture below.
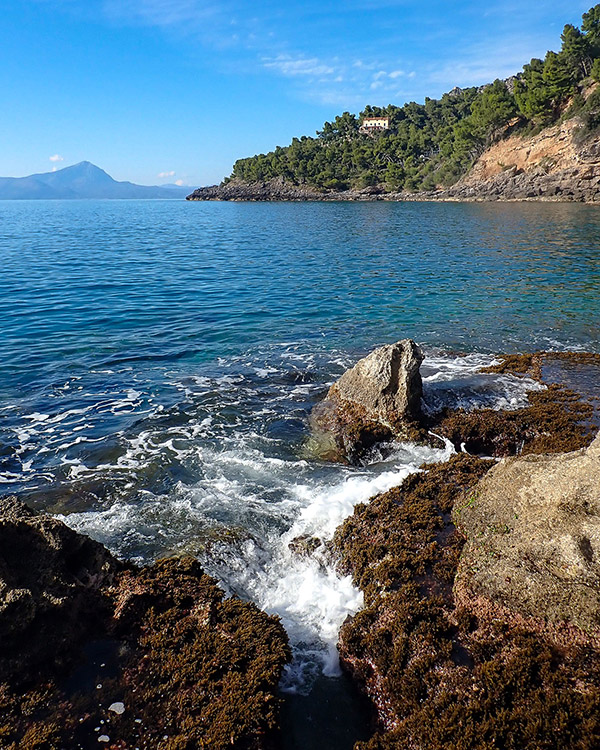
{"points": [[533, 538], [379, 398], [187, 667]]}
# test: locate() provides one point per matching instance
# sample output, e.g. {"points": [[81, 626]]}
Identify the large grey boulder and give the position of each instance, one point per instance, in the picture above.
{"points": [[533, 538], [376, 400]]}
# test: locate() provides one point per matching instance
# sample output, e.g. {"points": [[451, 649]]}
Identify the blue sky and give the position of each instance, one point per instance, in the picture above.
{"points": [[157, 91]]}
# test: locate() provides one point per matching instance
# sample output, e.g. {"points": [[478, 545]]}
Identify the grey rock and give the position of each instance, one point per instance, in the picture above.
{"points": [[533, 538], [379, 398]]}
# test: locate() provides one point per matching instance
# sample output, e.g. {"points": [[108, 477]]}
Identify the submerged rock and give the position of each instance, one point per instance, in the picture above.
{"points": [[379, 398], [156, 655], [304, 545], [556, 419], [533, 538]]}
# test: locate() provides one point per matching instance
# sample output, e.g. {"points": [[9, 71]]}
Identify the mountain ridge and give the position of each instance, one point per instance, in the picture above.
{"points": [[83, 180]]}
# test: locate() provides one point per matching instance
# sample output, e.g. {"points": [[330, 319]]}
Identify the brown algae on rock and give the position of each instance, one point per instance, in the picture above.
{"points": [[493, 644], [447, 675], [191, 668]]}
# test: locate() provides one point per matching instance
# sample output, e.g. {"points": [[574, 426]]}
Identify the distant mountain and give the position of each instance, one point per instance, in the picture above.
{"points": [[83, 180]]}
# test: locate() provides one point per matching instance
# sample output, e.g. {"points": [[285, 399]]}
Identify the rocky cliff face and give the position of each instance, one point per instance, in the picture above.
{"points": [[559, 164]]}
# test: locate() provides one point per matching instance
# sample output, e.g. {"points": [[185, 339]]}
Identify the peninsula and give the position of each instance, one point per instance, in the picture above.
{"points": [[533, 136]]}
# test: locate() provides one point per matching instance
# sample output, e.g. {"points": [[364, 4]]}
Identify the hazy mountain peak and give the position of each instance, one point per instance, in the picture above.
{"points": [[81, 180]]}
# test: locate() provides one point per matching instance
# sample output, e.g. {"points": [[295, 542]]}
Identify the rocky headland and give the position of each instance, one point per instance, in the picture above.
{"points": [[561, 163]]}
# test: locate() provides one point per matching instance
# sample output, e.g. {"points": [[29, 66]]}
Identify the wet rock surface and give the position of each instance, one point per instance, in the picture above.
{"points": [[562, 417], [379, 398], [95, 651]]}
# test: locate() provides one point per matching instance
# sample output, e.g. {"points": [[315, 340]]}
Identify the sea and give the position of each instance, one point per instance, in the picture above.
{"points": [[159, 361]]}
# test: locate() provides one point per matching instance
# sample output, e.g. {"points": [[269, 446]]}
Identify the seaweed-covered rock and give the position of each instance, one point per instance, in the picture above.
{"points": [[50, 584], [93, 650], [533, 538], [379, 398], [447, 675], [557, 419]]}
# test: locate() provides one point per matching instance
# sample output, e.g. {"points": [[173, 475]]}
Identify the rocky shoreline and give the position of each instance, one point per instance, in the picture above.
{"points": [[512, 186], [481, 618], [481, 622], [558, 164], [569, 185]]}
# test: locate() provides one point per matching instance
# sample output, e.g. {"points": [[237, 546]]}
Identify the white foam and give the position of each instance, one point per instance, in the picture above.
{"points": [[249, 480]]}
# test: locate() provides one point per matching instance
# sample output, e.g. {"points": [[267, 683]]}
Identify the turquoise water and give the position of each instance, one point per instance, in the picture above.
{"points": [[105, 283], [159, 360]]}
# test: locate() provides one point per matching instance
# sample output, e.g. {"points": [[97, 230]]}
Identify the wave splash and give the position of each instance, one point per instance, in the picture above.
{"points": [[219, 473]]}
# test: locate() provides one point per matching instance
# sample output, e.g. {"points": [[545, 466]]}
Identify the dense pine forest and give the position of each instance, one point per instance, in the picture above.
{"points": [[435, 143]]}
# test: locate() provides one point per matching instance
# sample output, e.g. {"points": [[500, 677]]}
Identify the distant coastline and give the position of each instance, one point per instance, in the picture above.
{"points": [[556, 164]]}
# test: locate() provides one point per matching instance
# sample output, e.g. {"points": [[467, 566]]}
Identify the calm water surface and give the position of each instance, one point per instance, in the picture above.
{"points": [[159, 360]]}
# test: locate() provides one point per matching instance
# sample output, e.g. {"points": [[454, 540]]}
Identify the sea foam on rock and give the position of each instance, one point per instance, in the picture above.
{"points": [[376, 400]]}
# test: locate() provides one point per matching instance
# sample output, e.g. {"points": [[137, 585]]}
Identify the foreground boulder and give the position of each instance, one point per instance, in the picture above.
{"points": [[378, 399], [51, 580], [533, 538], [96, 653]]}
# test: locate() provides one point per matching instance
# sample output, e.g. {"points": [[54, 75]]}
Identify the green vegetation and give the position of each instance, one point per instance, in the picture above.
{"points": [[435, 143]]}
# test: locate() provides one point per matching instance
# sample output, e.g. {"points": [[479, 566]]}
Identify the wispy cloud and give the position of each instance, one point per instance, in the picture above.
{"points": [[377, 50], [57, 157], [179, 182], [163, 175], [301, 66]]}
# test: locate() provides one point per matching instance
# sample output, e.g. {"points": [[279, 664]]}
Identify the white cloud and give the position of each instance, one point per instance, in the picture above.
{"points": [[57, 157], [179, 182], [162, 175], [299, 66]]}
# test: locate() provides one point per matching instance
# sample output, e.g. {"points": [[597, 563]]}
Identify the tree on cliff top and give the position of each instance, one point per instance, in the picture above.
{"points": [[436, 143]]}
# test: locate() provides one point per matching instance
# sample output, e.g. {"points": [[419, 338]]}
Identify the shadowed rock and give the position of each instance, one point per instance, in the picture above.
{"points": [[378, 399], [82, 635], [50, 579], [533, 538]]}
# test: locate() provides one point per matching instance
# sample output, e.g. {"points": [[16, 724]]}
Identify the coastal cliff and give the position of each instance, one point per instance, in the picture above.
{"points": [[533, 136], [561, 163]]}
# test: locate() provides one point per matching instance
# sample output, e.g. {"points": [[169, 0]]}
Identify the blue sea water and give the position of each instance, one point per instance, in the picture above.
{"points": [[159, 359]]}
